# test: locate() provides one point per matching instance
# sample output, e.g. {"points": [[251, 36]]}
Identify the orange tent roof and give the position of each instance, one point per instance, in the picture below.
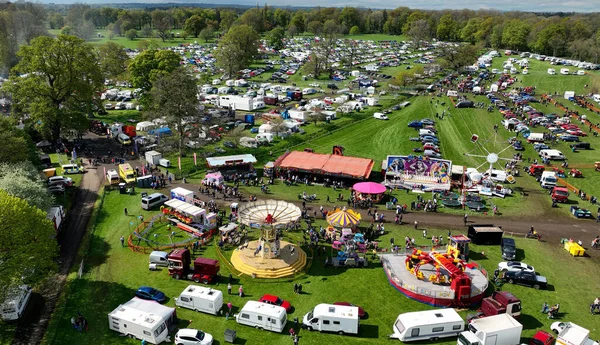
{"points": [[326, 164]]}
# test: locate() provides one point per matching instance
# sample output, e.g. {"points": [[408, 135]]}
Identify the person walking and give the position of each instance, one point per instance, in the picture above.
{"points": [[122, 239], [424, 233], [229, 288], [125, 210], [296, 339], [229, 307], [416, 225], [241, 291], [465, 218]]}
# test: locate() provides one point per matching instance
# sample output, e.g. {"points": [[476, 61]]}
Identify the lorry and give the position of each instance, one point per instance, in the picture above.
{"points": [[262, 316], [127, 173], [153, 157], [569, 333], [200, 298], [56, 214], [560, 194], [501, 329], [548, 179], [340, 319], [499, 302], [427, 325], [203, 270]]}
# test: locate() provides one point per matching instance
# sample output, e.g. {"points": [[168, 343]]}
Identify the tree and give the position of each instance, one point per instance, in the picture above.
{"points": [[113, 59], [457, 57], [227, 19], [56, 82], [552, 40], [237, 48], [178, 105], [194, 25], [515, 33], [146, 31], [163, 23], [298, 21], [447, 29], [315, 27], [149, 65], [22, 180], [419, 31], [27, 249], [131, 34], [207, 33], [275, 38], [349, 17], [355, 30]]}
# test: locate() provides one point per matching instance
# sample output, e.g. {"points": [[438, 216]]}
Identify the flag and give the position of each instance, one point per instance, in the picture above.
{"points": [[179, 162], [135, 146], [105, 173], [73, 155], [195, 163]]}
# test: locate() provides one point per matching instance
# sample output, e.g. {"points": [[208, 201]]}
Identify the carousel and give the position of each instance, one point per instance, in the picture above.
{"points": [[269, 256], [369, 190]]}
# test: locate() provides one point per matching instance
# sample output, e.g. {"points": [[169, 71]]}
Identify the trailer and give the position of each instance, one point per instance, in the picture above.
{"points": [[485, 234], [332, 318], [143, 319], [262, 316], [56, 214], [427, 325], [200, 298], [501, 329]]}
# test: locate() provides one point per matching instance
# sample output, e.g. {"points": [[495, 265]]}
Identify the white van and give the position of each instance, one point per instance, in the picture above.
{"points": [[159, 258], [596, 98], [427, 325], [153, 200], [580, 72], [112, 177], [200, 298], [380, 116], [72, 169], [15, 302], [262, 316], [332, 318], [496, 175], [551, 71]]}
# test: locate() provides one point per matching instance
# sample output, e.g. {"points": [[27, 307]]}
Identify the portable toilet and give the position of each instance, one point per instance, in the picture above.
{"points": [[249, 118]]}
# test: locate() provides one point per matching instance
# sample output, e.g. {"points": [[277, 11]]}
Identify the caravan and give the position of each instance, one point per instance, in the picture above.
{"points": [[428, 325], [332, 318], [15, 302], [262, 316], [202, 299], [142, 319]]}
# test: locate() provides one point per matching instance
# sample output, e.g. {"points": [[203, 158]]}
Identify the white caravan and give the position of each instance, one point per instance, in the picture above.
{"points": [[428, 325], [200, 298], [262, 316], [332, 318], [142, 319], [15, 302]]}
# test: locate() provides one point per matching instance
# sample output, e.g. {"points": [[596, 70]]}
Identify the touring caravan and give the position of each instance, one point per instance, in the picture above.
{"points": [[551, 71], [15, 302], [142, 319], [564, 71], [262, 316], [536, 138], [427, 325], [332, 318], [200, 298]]}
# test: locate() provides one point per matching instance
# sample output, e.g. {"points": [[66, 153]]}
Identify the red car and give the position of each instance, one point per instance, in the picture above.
{"points": [[274, 300], [361, 311]]}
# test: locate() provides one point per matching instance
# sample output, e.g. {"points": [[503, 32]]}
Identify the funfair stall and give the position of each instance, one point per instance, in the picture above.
{"points": [[416, 173], [369, 190]]}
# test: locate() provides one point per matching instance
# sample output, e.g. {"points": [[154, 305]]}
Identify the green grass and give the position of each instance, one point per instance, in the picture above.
{"points": [[113, 273]]}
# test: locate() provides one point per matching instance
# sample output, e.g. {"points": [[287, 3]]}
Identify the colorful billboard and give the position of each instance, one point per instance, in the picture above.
{"points": [[419, 166]]}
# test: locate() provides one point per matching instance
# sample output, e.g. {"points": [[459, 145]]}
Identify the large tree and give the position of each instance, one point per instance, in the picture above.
{"points": [[149, 65], [194, 25], [456, 58], [237, 48], [275, 38], [419, 31], [55, 83], [27, 249], [174, 95], [23, 180], [163, 23], [113, 59]]}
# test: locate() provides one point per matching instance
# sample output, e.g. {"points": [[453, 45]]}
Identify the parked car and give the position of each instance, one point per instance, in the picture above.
{"points": [[189, 336], [415, 124], [526, 278], [146, 292], [506, 266], [428, 121], [569, 137], [220, 150], [274, 300], [540, 146], [361, 311], [229, 144], [508, 248], [518, 146]]}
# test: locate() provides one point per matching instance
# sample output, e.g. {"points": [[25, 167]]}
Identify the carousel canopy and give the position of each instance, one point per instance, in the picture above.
{"points": [[369, 188], [343, 218], [275, 213]]}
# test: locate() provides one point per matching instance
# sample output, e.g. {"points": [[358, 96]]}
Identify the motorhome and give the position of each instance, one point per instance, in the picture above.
{"points": [[427, 325], [142, 319], [551, 71], [262, 316], [200, 298], [15, 302], [332, 318]]}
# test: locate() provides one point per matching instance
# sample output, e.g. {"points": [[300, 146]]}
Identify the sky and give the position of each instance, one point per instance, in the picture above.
{"points": [[503, 5]]}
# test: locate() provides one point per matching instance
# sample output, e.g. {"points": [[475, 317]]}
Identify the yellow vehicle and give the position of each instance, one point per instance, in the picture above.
{"points": [[126, 173]]}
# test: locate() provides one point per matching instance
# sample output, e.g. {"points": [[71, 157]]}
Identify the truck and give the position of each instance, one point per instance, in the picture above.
{"points": [[203, 270], [56, 214], [569, 333], [500, 302], [294, 95], [501, 329], [560, 194], [548, 179], [127, 173], [340, 319]]}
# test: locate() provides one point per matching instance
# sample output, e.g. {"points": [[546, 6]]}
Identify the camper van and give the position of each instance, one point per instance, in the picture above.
{"points": [[153, 200], [551, 71], [332, 318], [262, 316], [112, 177], [380, 116], [142, 319], [200, 298], [15, 302], [159, 258], [428, 325]]}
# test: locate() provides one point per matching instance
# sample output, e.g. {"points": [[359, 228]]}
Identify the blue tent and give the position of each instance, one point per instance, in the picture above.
{"points": [[161, 131]]}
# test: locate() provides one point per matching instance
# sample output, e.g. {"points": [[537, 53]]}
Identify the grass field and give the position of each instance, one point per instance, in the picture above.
{"points": [[112, 274]]}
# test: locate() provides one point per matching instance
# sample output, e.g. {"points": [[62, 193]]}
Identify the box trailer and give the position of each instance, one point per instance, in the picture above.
{"points": [[182, 194], [501, 329], [200, 298], [332, 318], [262, 316], [536, 138], [485, 234], [427, 325], [153, 157], [142, 319], [572, 334]]}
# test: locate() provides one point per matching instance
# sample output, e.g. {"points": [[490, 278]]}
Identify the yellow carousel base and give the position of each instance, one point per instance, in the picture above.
{"points": [[285, 265]]}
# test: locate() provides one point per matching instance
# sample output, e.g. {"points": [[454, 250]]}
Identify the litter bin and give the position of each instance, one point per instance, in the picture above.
{"points": [[122, 188], [230, 335]]}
